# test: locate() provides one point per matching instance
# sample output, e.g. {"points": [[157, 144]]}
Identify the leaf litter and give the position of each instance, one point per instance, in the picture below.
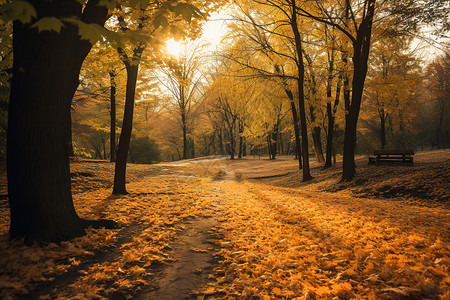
{"points": [[273, 242]]}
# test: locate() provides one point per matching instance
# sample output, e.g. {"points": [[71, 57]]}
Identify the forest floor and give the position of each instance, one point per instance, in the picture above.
{"points": [[245, 229]]}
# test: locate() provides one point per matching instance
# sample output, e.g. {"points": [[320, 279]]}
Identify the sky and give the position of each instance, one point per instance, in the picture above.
{"points": [[215, 29], [213, 32]]}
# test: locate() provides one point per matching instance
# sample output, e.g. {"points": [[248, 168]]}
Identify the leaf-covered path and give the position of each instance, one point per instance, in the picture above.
{"points": [[207, 234]]}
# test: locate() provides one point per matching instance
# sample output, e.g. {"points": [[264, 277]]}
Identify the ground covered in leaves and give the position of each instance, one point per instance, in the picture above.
{"points": [[246, 229]]}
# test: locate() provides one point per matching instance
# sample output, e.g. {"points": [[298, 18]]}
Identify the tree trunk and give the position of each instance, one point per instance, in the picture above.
{"points": [[232, 146], [184, 130], [383, 128], [112, 136], [274, 140], [221, 147], [68, 128], [361, 49], [304, 132], [269, 146], [103, 147], [331, 119], [280, 144], [298, 150], [317, 140], [45, 76], [318, 151], [301, 97], [125, 135], [241, 140], [329, 136]]}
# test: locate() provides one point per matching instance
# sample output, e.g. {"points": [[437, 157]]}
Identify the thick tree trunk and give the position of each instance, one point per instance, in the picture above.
{"points": [[317, 140], [125, 135], [269, 147], [361, 49], [38, 158], [112, 136], [45, 76], [68, 129]]}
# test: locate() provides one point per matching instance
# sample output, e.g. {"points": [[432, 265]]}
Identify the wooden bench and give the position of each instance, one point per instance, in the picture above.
{"points": [[403, 156]]}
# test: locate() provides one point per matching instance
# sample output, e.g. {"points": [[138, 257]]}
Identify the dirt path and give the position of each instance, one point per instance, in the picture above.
{"points": [[192, 254], [193, 261]]}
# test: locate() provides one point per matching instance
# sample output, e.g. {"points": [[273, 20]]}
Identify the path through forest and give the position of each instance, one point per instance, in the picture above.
{"points": [[281, 242], [201, 231], [192, 252]]}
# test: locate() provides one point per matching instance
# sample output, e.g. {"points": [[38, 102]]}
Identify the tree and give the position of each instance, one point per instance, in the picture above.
{"points": [[5, 77], [155, 21], [284, 25], [393, 79], [229, 99], [45, 76], [183, 81], [48, 55], [98, 96], [438, 83], [355, 20], [361, 21], [313, 105], [330, 39]]}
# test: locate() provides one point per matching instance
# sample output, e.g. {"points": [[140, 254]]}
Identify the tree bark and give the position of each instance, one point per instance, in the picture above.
{"points": [[112, 136], [232, 146], [125, 135], [361, 49], [330, 132], [298, 149], [69, 140], [331, 119], [317, 140], [318, 151], [383, 128], [183, 124], [221, 147], [46, 67], [241, 140], [301, 97]]}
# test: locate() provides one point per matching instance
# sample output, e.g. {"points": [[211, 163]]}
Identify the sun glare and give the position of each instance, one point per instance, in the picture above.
{"points": [[173, 47]]}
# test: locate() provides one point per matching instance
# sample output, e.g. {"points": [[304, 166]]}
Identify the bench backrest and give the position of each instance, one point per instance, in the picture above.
{"points": [[393, 152]]}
